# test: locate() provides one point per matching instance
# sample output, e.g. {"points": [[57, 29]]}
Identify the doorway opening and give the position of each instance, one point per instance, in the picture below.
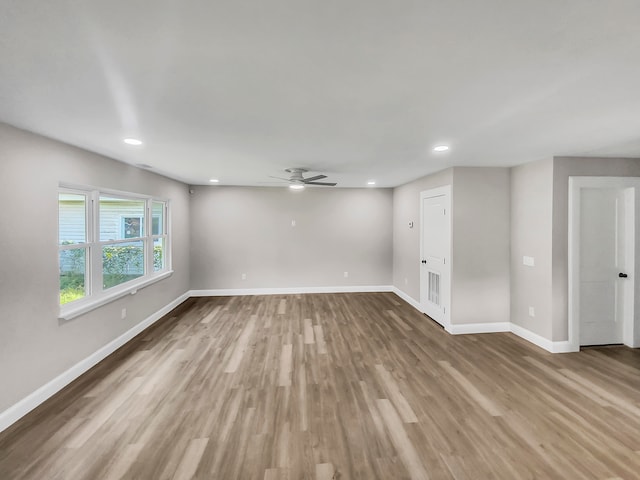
{"points": [[602, 265]]}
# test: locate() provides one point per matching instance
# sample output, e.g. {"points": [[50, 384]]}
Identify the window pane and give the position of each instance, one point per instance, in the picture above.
{"points": [[121, 218], [121, 263], [72, 218], [72, 274], [157, 220], [132, 227], [158, 254]]}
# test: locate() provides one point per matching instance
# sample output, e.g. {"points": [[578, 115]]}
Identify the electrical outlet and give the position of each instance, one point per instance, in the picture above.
{"points": [[346, 274], [123, 314], [532, 312], [244, 276], [293, 223]]}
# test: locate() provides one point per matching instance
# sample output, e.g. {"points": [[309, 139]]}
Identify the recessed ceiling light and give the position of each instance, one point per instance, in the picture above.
{"points": [[296, 187], [441, 148], [371, 182], [132, 141], [214, 180]]}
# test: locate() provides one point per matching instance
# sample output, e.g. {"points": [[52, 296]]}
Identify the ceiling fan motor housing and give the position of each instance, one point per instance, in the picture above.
{"points": [[297, 178], [296, 174]]}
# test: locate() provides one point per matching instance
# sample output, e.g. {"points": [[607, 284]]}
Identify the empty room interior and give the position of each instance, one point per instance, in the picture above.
{"points": [[319, 240]]}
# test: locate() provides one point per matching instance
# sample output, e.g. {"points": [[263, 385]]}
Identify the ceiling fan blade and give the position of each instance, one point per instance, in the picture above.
{"points": [[321, 183], [313, 179], [280, 178]]}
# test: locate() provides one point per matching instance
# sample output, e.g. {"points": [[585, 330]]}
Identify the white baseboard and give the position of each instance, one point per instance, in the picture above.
{"points": [[230, 292], [548, 345], [458, 329], [564, 347], [410, 300], [470, 328], [463, 329], [24, 406]]}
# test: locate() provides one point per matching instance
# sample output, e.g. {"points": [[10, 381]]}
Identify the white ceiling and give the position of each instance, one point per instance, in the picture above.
{"points": [[355, 89]]}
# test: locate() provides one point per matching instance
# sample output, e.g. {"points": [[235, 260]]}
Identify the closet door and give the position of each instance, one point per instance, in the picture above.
{"points": [[435, 253]]}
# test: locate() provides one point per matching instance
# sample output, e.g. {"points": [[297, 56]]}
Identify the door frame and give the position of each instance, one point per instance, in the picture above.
{"points": [[631, 187], [446, 191]]}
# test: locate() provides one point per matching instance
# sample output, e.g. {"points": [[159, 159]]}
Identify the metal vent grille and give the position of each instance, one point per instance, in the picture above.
{"points": [[434, 288]]}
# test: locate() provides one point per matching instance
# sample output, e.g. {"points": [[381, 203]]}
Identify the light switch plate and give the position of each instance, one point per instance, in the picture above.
{"points": [[528, 261]]}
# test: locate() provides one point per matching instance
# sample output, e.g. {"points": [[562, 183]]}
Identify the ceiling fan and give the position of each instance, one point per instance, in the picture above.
{"points": [[297, 178]]}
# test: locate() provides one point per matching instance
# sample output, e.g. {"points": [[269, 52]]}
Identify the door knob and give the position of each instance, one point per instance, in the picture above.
{"points": [[623, 275]]}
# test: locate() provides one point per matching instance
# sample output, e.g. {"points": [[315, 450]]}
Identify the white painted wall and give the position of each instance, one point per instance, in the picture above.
{"points": [[35, 346], [248, 230]]}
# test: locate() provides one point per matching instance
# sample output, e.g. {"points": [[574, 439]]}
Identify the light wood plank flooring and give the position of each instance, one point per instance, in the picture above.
{"points": [[335, 386]]}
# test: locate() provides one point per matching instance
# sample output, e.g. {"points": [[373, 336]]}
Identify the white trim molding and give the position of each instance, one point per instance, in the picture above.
{"points": [[24, 406], [470, 328], [538, 340], [231, 292], [31, 401], [496, 327], [80, 307], [410, 300]]}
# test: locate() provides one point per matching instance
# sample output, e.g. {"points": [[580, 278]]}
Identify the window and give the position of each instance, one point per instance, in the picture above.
{"points": [[110, 243], [73, 248], [159, 235]]}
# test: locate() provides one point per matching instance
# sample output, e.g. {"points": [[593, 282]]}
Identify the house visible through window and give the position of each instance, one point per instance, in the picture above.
{"points": [[109, 241], [131, 227]]}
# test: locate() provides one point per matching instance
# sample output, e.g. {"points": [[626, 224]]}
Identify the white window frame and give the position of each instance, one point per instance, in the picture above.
{"points": [[163, 235], [95, 294]]}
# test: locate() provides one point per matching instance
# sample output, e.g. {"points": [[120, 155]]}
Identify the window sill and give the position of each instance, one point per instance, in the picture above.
{"points": [[80, 307]]}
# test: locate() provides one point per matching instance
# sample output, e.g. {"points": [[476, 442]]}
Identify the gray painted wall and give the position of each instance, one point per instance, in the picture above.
{"points": [[248, 230], [480, 241], [499, 215], [531, 221], [406, 241], [480, 286], [540, 226], [35, 346]]}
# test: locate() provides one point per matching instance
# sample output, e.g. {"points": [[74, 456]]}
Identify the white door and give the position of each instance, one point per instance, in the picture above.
{"points": [[435, 261], [602, 261]]}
